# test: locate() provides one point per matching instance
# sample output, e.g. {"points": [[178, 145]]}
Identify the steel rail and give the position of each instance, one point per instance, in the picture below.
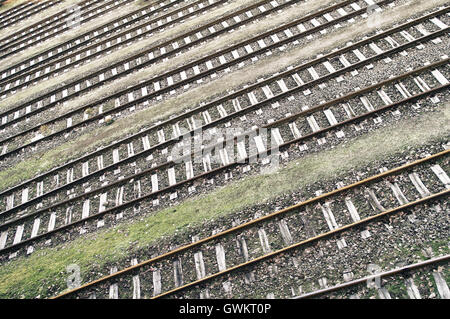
{"points": [[433, 261], [261, 219], [187, 181], [162, 76]]}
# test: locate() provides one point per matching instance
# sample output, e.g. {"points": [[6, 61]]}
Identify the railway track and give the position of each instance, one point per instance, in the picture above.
{"points": [[117, 156], [354, 206], [124, 196], [86, 13], [403, 274], [114, 42], [155, 87], [65, 49], [32, 9]]}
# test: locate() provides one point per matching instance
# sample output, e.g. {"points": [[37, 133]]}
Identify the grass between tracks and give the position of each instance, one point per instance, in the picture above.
{"points": [[32, 276]]}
